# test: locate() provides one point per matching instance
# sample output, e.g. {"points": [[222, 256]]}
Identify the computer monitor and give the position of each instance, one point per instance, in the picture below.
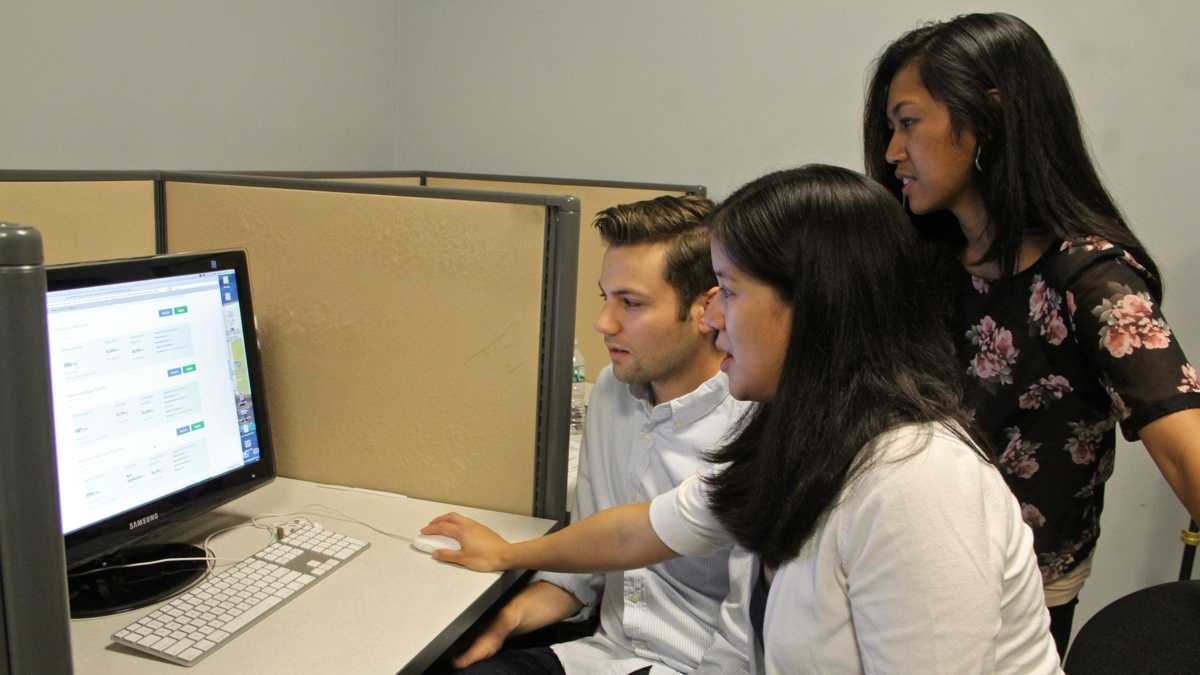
{"points": [[159, 414]]}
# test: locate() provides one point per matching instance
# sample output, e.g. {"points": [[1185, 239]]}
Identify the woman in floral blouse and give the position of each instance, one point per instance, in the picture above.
{"points": [[1058, 305]]}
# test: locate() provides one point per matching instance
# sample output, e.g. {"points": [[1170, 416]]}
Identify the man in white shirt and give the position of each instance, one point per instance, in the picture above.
{"points": [[652, 415]]}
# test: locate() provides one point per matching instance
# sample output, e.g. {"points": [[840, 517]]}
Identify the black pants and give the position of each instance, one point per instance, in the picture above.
{"points": [[1060, 625], [532, 661]]}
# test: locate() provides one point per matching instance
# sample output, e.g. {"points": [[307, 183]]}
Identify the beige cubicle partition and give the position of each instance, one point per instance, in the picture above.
{"points": [[84, 219], [399, 334], [594, 196]]}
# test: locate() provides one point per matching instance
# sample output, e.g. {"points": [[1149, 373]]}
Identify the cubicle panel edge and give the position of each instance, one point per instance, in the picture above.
{"points": [[375, 177], [558, 325], [684, 188], [547, 457], [423, 175], [64, 176], [34, 628], [317, 185]]}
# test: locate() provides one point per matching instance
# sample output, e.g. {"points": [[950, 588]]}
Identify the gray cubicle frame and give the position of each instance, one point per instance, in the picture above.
{"points": [[56, 176], [34, 633], [423, 175], [559, 271], [699, 190], [330, 175]]}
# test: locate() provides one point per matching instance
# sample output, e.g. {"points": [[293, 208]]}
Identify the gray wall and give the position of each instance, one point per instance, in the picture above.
{"points": [[717, 93], [144, 84]]}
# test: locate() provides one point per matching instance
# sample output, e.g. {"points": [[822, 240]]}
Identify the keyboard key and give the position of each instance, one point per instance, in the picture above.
{"points": [[147, 640], [252, 614]]}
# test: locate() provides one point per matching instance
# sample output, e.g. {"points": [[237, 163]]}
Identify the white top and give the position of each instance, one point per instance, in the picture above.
{"points": [[664, 615], [924, 566]]}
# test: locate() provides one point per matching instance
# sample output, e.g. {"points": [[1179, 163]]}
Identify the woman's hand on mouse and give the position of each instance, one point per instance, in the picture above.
{"points": [[482, 549]]}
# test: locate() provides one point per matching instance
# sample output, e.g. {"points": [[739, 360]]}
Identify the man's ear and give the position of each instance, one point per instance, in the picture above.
{"points": [[700, 305], [994, 94]]}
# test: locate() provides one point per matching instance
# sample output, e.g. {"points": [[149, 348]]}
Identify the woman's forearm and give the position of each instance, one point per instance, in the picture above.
{"points": [[619, 538], [1174, 443]]}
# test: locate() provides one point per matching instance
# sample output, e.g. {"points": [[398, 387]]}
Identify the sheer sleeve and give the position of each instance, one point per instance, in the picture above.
{"points": [[1120, 328]]}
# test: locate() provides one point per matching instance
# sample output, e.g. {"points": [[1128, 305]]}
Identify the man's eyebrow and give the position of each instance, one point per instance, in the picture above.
{"points": [[618, 291]]}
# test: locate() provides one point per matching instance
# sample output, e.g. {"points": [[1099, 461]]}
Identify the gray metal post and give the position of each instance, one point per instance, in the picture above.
{"points": [[558, 328], [35, 627]]}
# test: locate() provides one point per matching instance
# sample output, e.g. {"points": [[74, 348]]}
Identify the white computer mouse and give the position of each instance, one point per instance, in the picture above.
{"points": [[428, 542]]}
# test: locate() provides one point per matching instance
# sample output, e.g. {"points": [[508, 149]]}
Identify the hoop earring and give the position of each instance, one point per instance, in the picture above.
{"points": [[978, 151]]}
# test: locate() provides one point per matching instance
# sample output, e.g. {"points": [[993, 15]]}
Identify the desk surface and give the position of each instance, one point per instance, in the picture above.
{"points": [[391, 609]]}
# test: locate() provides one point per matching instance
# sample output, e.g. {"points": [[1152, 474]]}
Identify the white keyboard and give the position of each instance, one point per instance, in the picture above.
{"points": [[226, 604]]}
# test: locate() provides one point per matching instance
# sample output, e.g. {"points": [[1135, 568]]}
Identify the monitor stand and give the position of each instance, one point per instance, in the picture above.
{"points": [[108, 591]]}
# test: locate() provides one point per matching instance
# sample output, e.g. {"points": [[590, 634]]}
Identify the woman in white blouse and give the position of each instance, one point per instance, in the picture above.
{"points": [[873, 534]]}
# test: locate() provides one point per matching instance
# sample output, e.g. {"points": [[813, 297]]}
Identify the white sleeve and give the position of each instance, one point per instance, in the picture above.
{"points": [[682, 520], [924, 563]]}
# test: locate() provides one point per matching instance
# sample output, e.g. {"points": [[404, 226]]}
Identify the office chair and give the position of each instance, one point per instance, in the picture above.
{"points": [[1153, 630]]}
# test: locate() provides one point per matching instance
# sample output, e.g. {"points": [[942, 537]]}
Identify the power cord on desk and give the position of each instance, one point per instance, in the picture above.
{"points": [[277, 531], [342, 516], [210, 557]]}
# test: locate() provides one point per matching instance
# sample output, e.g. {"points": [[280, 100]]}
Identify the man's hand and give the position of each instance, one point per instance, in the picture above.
{"points": [[482, 549], [539, 604], [492, 639]]}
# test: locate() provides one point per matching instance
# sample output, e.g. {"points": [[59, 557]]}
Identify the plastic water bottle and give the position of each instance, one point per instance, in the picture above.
{"points": [[578, 397]]}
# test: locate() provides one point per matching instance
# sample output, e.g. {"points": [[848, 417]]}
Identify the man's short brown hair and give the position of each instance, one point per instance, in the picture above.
{"points": [[678, 221]]}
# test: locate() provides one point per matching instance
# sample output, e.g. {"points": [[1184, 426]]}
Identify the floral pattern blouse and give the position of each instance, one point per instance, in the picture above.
{"points": [[1056, 357]]}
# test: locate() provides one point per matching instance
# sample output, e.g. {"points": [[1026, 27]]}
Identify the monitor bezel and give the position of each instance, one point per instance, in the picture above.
{"points": [[135, 525]]}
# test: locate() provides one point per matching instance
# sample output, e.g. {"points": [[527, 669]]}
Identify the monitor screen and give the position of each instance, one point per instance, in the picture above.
{"points": [[157, 394]]}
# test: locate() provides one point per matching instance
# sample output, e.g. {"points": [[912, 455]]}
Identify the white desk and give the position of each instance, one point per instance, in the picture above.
{"points": [[391, 609]]}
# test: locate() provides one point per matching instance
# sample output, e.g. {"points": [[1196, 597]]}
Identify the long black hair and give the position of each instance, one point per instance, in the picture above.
{"points": [[865, 353], [1036, 174]]}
